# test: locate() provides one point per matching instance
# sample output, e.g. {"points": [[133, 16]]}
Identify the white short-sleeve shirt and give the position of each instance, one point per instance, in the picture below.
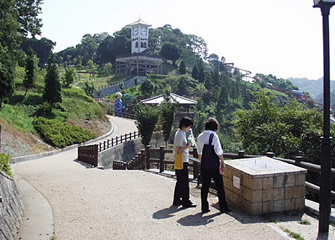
{"points": [[204, 139], [181, 141]]}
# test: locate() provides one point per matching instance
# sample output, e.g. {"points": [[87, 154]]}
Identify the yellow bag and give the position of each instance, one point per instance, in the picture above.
{"points": [[178, 163]]}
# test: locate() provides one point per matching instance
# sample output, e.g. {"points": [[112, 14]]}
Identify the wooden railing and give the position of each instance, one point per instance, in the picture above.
{"points": [[145, 160], [117, 140], [89, 154]]}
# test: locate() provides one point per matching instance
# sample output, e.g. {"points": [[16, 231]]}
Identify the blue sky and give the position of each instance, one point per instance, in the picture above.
{"points": [[280, 37]]}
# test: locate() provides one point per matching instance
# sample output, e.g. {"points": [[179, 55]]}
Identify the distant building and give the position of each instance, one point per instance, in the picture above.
{"points": [[141, 60]]}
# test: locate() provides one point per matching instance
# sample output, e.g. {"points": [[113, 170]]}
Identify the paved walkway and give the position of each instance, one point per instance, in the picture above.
{"points": [[89, 203]]}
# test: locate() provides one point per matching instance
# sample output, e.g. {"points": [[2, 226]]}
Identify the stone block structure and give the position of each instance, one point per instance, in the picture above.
{"points": [[123, 152], [11, 207], [264, 185]]}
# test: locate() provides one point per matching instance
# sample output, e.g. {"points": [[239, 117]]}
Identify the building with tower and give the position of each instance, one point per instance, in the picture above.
{"points": [[141, 60]]}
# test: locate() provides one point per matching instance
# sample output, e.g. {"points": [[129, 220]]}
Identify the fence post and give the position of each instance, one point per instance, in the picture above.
{"points": [[240, 154], [134, 134], [143, 159], [147, 156], [270, 154], [161, 159], [107, 143], [298, 159], [100, 146], [104, 145], [130, 136], [116, 140]]}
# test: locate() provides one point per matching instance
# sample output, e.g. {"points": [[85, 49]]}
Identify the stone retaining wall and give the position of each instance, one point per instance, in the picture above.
{"points": [[123, 152], [11, 207]]}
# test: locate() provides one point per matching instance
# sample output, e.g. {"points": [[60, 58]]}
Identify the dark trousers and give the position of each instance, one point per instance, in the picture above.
{"points": [[182, 189], [207, 175]]}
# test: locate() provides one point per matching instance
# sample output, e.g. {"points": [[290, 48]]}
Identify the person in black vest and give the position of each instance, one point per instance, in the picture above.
{"points": [[211, 159]]}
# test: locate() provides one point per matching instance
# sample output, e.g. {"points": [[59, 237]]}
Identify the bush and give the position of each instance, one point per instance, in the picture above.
{"points": [[60, 134], [4, 164]]}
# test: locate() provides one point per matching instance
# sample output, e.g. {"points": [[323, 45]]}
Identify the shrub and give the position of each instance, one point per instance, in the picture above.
{"points": [[60, 134], [4, 164]]}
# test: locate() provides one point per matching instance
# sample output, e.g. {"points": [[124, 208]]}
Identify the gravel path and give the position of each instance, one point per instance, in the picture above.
{"points": [[89, 203]]}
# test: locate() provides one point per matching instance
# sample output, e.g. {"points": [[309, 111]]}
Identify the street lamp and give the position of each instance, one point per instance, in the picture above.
{"points": [[326, 158]]}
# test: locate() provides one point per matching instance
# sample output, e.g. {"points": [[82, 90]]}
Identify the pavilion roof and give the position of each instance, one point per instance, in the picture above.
{"points": [[173, 98]]}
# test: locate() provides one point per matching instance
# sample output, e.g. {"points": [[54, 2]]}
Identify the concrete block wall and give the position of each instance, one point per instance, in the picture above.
{"points": [[123, 152], [11, 207]]}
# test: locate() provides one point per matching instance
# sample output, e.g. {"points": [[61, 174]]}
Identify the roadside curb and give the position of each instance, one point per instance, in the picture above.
{"points": [[37, 221]]}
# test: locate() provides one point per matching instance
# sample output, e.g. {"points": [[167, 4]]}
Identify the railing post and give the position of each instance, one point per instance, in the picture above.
{"points": [[104, 145], [161, 159], [100, 146], [107, 143], [298, 159], [112, 142], [147, 156], [240, 154], [142, 159], [270, 154], [130, 136], [116, 138]]}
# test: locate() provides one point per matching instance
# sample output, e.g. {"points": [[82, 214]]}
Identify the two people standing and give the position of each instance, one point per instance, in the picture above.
{"points": [[211, 162]]}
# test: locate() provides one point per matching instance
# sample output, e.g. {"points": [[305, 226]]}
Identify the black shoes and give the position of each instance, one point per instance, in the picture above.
{"points": [[190, 205], [177, 203], [205, 211]]}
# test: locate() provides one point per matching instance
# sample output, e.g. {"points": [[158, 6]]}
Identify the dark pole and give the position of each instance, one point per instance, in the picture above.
{"points": [[325, 183]]}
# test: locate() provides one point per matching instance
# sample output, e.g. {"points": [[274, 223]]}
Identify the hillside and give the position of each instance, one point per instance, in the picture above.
{"points": [[21, 118], [314, 87]]}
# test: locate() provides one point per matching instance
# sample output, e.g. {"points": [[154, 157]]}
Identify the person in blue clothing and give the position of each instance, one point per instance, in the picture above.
{"points": [[182, 189], [118, 105]]}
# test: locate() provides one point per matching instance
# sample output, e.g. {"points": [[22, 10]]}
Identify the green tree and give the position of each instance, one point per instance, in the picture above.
{"points": [[223, 98], [182, 68], [286, 131], [89, 88], [170, 51], [70, 76], [185, 85], [201, 73], [147, 117], [52, 90], [91, 67], [107, 69], [195, 72], [17, 19], [7, 73], [147, 88], [29, 79], [168, 119], [42, 48]]}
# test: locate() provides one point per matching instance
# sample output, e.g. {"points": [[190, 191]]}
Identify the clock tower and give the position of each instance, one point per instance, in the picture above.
{"points": [[139, 36]]}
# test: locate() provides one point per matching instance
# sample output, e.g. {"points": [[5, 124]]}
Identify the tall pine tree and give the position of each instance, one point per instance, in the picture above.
{"points": [[29, 79], [52, 89]]}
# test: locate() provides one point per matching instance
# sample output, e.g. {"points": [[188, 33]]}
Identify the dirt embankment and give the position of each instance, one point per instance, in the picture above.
{"points": [[16, 143]]}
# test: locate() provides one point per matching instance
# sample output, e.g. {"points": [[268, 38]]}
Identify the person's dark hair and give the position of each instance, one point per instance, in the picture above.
{"points": [[212, 124], [185, 122]]}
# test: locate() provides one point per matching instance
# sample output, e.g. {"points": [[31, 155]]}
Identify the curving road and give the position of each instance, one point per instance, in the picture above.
{"points": [[89, 203]]}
